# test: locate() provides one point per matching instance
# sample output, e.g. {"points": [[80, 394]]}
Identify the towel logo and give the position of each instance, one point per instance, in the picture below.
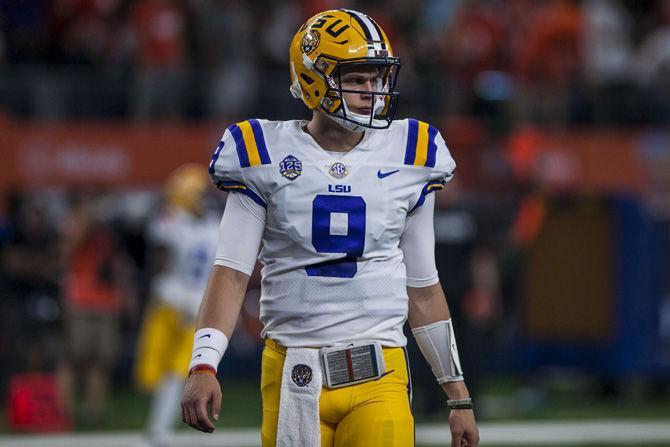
{"points": [[301, 375]]}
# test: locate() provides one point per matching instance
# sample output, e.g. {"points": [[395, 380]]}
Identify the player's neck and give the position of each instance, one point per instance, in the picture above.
{"points": [[331, 136]]}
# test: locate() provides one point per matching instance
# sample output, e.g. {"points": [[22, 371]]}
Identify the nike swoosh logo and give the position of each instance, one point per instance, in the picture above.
{"points": [[197, 356], [203, 336], [381, 174]]}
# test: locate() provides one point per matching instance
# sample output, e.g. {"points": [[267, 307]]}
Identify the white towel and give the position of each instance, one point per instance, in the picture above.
{"points": [[299, 424]]}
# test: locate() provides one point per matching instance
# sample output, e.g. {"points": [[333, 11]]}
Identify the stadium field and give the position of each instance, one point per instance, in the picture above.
{"points": [[562, 420], [618, 433]]}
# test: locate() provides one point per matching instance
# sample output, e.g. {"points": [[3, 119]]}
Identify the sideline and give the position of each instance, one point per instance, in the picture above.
{"points": [[610, 431]]}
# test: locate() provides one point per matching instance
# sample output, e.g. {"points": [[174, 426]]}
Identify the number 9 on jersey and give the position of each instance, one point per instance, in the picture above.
{"points": [[338, 226]]}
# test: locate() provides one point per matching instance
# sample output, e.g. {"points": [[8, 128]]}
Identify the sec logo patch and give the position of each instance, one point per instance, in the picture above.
{"points": [[338, 170]]}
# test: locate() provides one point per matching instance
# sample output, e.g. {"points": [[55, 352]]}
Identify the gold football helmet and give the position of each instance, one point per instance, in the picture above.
{"points": [[341, 38], [186, 187]]}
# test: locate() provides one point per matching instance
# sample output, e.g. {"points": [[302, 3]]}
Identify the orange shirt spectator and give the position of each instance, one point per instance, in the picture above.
{"points": [[97, 270], [90, 283]]}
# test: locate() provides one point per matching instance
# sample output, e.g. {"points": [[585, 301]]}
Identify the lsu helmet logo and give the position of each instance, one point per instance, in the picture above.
{"points": [[310, 41], [301, 375]]}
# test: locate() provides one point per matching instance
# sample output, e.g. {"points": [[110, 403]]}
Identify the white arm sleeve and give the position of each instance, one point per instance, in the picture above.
{"points": [[418, 245], [437, 343], [240, 233]]}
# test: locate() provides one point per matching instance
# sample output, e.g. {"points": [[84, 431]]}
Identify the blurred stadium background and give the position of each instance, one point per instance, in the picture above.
{"points": [[553, 239]]}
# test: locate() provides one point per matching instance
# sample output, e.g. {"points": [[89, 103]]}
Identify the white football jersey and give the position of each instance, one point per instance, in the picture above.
{"points": [[191, 247], [333, 271]]}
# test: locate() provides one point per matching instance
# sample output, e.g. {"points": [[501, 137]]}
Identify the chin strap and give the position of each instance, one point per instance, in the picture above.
{"points": [[355, 122], [349, 125]]}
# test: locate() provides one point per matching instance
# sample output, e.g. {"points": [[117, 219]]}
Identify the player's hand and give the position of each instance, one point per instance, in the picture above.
{"points": [[201, 390], [464, 432]]}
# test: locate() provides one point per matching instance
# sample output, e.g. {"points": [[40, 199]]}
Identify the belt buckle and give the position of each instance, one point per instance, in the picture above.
{"points": [[353, 363]]}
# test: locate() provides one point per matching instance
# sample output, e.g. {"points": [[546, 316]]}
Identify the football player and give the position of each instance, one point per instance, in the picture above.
{"points": [[342, 208], [183, 245]]}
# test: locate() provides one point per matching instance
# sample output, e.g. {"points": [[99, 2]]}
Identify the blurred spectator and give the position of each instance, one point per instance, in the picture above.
{"points": [[609, 92], [476, 41], [550, 61], [183, 246], [97, 290], [230, 61], [30, 310], [652, 65], [607, 42], [84, 29], [281, 22], [475, 45], [653, 62], [159, 27], [546, 57]]}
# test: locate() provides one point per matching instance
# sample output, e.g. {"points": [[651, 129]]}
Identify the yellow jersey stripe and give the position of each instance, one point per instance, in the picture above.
{"points": [[250, 143], [421, 145]]}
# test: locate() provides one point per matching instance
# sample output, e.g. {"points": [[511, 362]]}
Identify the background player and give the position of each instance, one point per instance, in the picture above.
{"points": [[183, 243], [342, 205]]}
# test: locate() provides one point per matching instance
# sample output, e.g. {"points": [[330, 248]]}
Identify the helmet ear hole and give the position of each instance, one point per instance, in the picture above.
{"points": [[307, 79], [316, 93]]}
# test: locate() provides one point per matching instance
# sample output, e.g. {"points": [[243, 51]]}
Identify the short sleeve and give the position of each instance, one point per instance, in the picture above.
{"points": [[241, 148], [427, 150], [445, 165]]}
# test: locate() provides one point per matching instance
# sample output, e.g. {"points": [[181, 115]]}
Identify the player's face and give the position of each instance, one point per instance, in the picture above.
{"points": [[359, 78]]}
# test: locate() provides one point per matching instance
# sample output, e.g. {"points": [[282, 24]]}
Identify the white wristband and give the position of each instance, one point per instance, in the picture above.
{"points": [[437, 343], [209, 344]]}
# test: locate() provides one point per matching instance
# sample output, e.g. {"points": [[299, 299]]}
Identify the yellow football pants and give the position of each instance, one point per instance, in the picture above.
{"points": [[371, 414], [165, 345]]}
